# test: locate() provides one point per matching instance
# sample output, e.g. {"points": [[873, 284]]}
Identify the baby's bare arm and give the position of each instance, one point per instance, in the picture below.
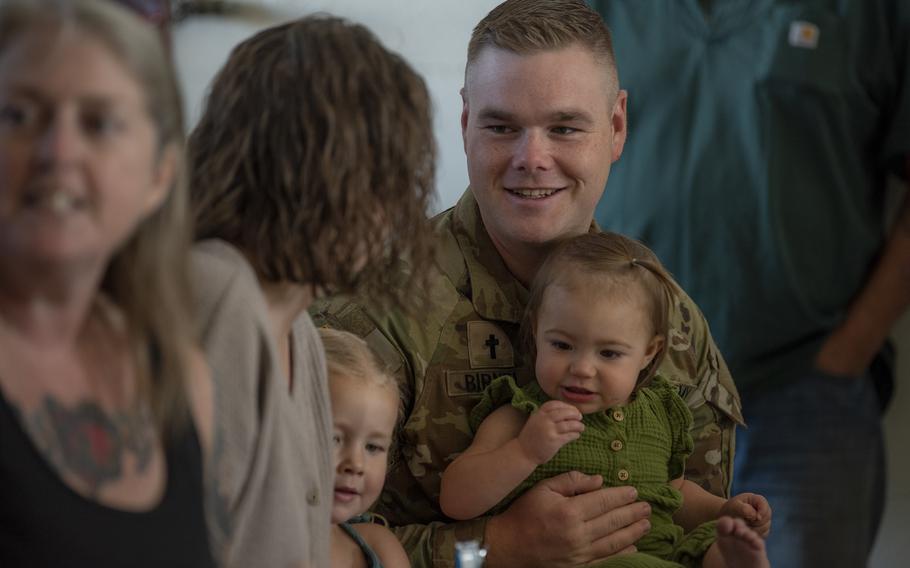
{"points": [[504, 452], [698, 505]]}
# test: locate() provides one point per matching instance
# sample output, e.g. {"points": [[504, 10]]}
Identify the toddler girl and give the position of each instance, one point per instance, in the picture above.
{"points": [[598, 327], [364, 413]]}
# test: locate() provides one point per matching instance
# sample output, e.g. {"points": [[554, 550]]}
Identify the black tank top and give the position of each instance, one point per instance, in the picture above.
{"points": [[43, 522]]}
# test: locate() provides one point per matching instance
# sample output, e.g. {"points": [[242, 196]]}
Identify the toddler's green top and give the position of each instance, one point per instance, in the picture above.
{"points": [[643, 443]]}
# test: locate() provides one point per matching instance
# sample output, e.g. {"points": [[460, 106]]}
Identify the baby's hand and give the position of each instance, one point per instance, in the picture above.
{"points": [[752, 508], [554, 425]]}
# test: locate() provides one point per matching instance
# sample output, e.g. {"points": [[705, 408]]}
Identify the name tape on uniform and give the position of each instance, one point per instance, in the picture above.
{"points": [[473, 382]]}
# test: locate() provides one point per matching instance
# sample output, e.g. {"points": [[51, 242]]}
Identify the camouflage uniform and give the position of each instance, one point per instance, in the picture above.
{"points": [[448, 354]]}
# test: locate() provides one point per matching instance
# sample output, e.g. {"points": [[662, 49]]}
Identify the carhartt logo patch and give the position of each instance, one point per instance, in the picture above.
{"points": [[473, 382], [804, 34], [489, 346]]}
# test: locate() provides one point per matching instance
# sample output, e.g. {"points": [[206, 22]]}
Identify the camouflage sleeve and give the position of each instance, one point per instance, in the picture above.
{"points": [[696, 366]]}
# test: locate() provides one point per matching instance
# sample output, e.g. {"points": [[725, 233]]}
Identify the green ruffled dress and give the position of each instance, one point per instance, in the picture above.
{"points": [[643, 443]]}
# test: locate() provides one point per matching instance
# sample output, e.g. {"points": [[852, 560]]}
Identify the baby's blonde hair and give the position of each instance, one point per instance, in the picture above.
{"points": [[350, 356]]}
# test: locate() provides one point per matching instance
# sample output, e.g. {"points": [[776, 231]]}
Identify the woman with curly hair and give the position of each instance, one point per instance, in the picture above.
{"points": [[312, 170]]}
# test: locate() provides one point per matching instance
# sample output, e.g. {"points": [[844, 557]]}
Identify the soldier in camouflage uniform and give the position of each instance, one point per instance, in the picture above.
{"points": [[446, 355]]}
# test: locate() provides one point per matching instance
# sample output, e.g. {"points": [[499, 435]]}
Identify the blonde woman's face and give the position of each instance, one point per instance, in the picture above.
{"points": [[363, 415], [79, 163]]}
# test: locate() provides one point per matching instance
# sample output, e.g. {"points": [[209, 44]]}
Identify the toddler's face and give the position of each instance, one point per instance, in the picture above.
{"points": [[591, 345], [364, 416]]}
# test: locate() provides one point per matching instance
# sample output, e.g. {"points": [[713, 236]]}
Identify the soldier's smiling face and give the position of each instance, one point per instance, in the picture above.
{"points": [[540, 132]]}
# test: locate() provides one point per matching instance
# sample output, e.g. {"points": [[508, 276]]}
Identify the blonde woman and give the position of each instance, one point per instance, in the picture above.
{"points": [[104, 403]]}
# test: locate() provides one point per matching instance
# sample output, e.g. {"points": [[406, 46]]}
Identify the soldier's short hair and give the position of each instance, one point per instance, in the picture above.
{"points": [[614, 264], [315, 157], [530, 26]]}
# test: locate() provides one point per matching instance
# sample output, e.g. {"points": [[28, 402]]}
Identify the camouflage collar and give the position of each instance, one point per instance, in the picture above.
{"points": [[494, 292]]}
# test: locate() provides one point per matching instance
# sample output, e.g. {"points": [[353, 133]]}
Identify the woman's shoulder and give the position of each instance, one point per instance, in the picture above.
{"points": [[216, 264], [231, 319], [223, 284]]}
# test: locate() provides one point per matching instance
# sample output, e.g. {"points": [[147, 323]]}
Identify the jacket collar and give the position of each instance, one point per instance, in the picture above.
{"points": [[494, 292]]}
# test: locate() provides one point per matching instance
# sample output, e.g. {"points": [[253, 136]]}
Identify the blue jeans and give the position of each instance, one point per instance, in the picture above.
{"points": [[814, 449]]}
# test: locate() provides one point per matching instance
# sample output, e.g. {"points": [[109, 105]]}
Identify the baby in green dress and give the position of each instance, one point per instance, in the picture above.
{"points": [[598, 324]]}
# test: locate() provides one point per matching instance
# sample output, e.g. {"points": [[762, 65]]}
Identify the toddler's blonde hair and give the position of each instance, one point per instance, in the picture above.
{"points": [[350, 356]]}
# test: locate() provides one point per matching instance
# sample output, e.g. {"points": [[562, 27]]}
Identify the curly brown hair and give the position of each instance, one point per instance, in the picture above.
{"points": [[618, 265], [315, 156], [528, 26]]}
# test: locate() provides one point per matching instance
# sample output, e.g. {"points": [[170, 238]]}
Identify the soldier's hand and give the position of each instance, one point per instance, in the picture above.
{"points": [[567, 520], [752, 508], [554, 425]]}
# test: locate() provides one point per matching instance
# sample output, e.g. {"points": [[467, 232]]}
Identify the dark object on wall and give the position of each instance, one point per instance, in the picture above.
{"points": [[157, 12], [244, 9]]}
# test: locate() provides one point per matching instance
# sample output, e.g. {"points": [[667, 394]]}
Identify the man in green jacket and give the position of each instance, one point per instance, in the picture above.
{"points": [[764, 133]]}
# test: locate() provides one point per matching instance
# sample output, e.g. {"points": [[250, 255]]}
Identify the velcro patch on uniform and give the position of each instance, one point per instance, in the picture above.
{"points": [[384, 348], [489, 346], [473, 382]]}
